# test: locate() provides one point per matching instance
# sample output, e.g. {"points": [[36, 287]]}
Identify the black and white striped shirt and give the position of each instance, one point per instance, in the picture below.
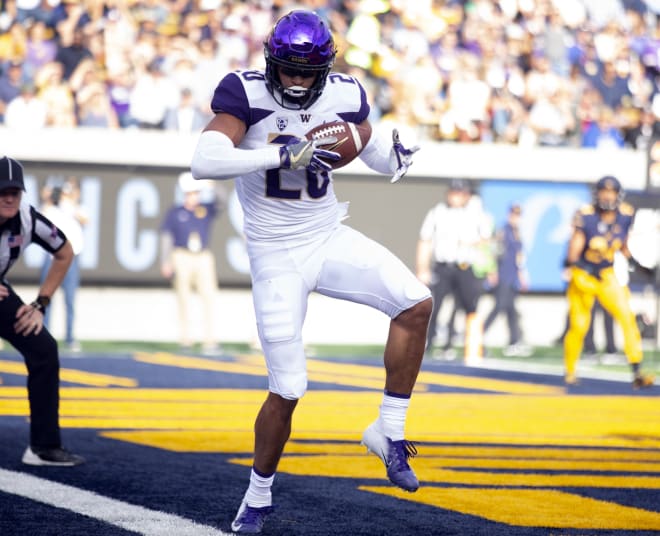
{"points": [[19, 232]]}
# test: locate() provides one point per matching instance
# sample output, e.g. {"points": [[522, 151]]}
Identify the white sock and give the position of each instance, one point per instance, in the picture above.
{"points": [[258, 492], [392, 418]]}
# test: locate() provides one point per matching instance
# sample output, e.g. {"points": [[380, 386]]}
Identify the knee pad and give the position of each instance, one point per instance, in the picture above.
{"points": [[290, 385]]}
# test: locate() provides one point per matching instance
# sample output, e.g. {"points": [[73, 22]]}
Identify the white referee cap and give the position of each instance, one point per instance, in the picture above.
{"points": [[188, 183], [11, 174]]}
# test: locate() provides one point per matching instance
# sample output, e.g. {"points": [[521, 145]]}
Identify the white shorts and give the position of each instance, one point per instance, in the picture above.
{"points": [[342, 264]]}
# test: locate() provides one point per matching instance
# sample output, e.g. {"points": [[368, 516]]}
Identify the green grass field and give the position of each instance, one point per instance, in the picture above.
{"points": [[544, 356]]}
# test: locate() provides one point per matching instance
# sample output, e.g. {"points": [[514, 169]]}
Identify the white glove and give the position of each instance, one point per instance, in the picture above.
{"points": [[400, 157], [306, 153]]}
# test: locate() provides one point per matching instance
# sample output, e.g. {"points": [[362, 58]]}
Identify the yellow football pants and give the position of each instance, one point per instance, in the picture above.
{"points": [[582, 290]]}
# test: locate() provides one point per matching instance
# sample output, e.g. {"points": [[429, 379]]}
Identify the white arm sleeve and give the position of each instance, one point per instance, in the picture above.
{"points": [[377, 154], [216, 158]]}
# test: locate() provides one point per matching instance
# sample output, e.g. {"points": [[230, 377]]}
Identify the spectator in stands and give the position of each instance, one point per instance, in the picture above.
{"points": [[119, 86], [57, 95], [72, 52], [11, 82], [647, 128], [41, 48], [151, 97], [27, 111], [552, 119], [28, 11], [13, 43], [611, 86], [94, 107], [604, 132], [186, 117], [67, 16]]}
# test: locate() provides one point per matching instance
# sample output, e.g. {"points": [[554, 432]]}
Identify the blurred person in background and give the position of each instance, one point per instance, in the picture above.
{"points": [[57, 94], [450, 239], [94, 108], [72, 51], [13, 42], [510, 279], [152, 96], [604, 133], [21, 324], [601, 230], [62, 207], [188, 260], [11, 81], [646, 129], [41, 47], [187, 116], [27, 111]]}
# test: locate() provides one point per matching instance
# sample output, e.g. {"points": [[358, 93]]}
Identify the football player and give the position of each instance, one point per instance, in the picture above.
{"points": [[600, 230], [297, 243]]}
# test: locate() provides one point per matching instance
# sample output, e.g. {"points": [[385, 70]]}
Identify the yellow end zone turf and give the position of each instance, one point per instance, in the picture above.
{"points": [[506, 453]]}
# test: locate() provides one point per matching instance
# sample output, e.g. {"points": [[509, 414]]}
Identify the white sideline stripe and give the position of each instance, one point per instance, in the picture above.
{"points": [[583, 370], [127, 516]]}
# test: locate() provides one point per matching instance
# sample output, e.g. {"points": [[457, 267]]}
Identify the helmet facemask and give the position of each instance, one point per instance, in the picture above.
{"points": [[608, 183]]}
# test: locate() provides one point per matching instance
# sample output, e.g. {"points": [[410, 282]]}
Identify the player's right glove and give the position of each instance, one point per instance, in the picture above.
{"points": [[400, 157], [303, 153]]}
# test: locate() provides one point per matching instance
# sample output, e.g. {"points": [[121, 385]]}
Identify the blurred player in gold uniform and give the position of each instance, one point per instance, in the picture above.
{"points": [[600, 231]]}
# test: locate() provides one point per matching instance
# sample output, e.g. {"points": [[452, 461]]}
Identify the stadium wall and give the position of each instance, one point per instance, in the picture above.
{"points": [[128, 180]]}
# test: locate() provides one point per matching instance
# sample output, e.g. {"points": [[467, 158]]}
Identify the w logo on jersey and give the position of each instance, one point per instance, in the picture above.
{"points": [[305, 117], [281, 123]]}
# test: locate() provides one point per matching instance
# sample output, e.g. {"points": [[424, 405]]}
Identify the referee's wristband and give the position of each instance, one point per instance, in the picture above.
{"points": [[41, 303]]}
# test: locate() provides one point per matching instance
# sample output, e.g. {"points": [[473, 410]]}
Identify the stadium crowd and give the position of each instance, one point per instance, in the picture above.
{"points": [[579, 73]]}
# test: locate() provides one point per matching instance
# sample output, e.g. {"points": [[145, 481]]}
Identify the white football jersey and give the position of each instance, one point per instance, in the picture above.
{"points": [[19, 232], [282, 203]]}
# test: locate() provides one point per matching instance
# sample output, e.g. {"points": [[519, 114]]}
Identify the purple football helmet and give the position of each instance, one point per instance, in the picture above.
{"points": [[301, 44]]}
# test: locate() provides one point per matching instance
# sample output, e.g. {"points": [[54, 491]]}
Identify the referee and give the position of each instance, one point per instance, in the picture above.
{"points": [[22, 325], [448, 253]]}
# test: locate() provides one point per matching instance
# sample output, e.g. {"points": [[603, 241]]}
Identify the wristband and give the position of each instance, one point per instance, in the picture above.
{"points": [[41, 303]]}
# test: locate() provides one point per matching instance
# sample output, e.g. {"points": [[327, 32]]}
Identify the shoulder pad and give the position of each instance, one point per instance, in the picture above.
{"points": [[626, 209]]}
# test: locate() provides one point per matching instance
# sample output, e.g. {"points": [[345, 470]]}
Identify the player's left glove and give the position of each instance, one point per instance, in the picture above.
{"points": [[307, 154], [400, 157]]}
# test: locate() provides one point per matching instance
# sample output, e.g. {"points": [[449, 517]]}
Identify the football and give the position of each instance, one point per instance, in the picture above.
{"points": [[351, 139]]}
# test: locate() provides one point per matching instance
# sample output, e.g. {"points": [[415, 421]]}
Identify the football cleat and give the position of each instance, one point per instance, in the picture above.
{"points": [[56, 457], [394, 454], [250, 519], [643, 380]]}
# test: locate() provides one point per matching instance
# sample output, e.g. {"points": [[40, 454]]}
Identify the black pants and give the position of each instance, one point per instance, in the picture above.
{"points": [[42, 361], [608, 324], [505, 302], [465, 287]]}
